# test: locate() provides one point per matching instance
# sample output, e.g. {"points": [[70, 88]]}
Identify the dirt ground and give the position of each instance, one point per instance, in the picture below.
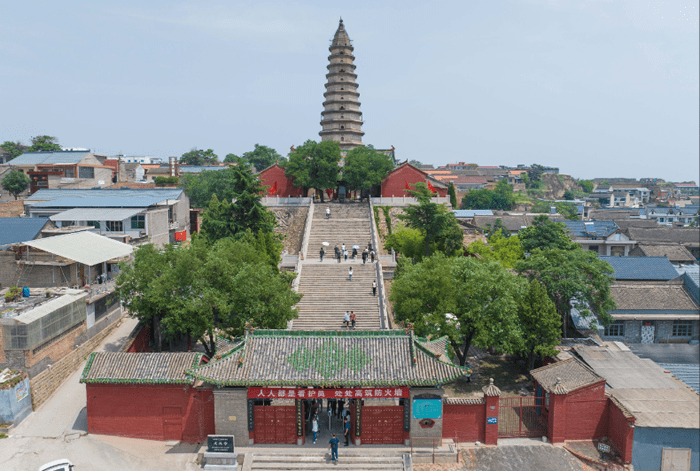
{"points": [[509, 375]]}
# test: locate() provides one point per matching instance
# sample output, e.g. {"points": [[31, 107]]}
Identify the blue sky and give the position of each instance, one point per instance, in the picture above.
{"points": [[598, 88]]}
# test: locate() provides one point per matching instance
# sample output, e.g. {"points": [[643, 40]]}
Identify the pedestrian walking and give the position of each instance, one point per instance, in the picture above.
{"points": [[333, 405], [322, 252], [371, 254], [328, 213], [314, 427], [365, 253], [346, 429], [342, 247], [314, 408], [369, 245], [333, 446], [341, 404], [350, 273], [337, 253], [346, 322], [352, 318], [345, 253], [354, 253], [374, 288]]}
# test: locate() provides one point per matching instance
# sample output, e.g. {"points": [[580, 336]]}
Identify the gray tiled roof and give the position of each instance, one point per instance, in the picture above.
{"points": [[17, 230], [573, 374], [643, 297], [641, 268], [673, 252], [62, 157], [691, 279], [162, 193], [689, 236], [512, 222], [356, 358], [122, 367], [469, 213], [590, 229]]}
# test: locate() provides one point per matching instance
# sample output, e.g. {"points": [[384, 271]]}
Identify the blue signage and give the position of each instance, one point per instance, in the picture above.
{"points": [[491, 420], [427, 408]]}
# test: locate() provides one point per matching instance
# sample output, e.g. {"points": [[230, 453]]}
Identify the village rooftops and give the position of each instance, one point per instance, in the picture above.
{"points": [[54, 158], [673, 252], [688, 236], [17, 230], [470, 213], [122, 197], [652, 301], [565, 376], [590, 229], [331, 358], [140, 368], [641, 268], [83, 247]]}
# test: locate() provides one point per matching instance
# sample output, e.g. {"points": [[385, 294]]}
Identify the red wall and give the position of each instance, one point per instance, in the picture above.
{"points": [[137, 410], [285, 187], [587, 413], [395, 183], [619, 431], [140, 343], [464, 423]]}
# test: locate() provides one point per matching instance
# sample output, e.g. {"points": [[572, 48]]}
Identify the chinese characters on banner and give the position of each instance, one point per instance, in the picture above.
{"points": [[289, 393]]}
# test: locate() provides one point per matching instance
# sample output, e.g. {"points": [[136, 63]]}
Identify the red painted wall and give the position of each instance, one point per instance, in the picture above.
{"points": [[587, 413], [139, 411], [140, 343], [464, 423], [619, 431], [395, 183], [285, 186]]}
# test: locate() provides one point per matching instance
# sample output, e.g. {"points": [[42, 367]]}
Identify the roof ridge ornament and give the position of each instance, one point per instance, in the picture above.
{"points": [[559, 388], [491, 389]]}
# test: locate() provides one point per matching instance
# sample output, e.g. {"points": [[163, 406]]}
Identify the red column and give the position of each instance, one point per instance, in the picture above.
{"points": [[556, 428], [492, 395]]}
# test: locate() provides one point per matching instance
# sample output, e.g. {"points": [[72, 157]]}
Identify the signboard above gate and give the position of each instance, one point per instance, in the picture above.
{"points": [[289, 393]]}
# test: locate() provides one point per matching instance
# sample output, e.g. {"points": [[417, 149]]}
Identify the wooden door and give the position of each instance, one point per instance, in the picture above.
{"points": [[675, 459], [382, 424]]}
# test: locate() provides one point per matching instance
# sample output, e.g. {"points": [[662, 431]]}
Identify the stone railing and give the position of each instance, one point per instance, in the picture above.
{"points": [[406, 200], [381, 292], [291, 201]]}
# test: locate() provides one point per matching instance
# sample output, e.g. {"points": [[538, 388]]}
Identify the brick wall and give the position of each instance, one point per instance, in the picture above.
{"points": [[8, 268], [37, 360], [46, 382], [158, 226], [12, 209], [620, 431], [633, 333], [142, 410], [464, 422], [231, 413], [285, 186], [587, 413], [664, 331]]}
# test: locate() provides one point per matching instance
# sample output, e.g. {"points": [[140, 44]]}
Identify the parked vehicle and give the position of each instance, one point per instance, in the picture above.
{"points": [[58, 465]]}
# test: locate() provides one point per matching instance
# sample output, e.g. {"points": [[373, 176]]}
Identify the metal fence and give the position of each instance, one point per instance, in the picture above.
{"points": [[406, 200]]}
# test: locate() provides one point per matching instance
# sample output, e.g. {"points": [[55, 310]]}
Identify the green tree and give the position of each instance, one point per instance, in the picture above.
{"points": [[505, 250], [534, 173], [262, 157], [453, 195], [469, 300], [365, 167], [540, 323], [566, 209], [435, 222], [13, 149], [545, 234], [503, 197], [314, 165], [415, 163], [572, 274], [408, 242], [234, 159], [199, 157], [44, 144], [569, 195], [478, 199], [225, 184], [15, 182], [586, 185]]}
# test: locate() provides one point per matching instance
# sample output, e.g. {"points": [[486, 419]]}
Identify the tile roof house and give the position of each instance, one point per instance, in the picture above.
{"points": [[512, 222], [348, 359], [602, 237], [689, 237], [641, 268], [674, 253], [666, 412], [565, 376]]}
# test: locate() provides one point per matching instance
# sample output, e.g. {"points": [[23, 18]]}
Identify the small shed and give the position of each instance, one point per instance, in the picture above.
{"points": [[148, 396]]}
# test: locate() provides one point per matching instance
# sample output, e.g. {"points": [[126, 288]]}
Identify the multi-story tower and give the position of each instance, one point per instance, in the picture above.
{"points": [[341, 119]]}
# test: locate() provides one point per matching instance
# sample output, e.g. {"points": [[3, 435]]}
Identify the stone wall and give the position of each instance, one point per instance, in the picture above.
{"points": [[231, 413], [290, 222], [45, 383], [434, 432], [158, 226]]}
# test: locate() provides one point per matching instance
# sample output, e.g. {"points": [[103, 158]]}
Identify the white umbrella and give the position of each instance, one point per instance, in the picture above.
{"points": [[325, 243], [355, 246]]}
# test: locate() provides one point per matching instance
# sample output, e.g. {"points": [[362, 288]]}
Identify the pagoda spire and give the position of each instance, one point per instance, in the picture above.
{"points": [[341, 119]]}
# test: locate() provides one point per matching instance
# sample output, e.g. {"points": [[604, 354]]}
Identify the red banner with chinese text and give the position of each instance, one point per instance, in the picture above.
{"points": [[363, 393]]}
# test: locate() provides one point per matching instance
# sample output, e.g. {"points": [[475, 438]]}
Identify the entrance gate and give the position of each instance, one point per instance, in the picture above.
{"points": [[275, 424], [382, 424], [521, 417]]}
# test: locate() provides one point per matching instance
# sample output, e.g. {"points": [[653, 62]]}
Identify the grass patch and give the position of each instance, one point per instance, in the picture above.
{"points": [[376, 220], [509, 375], [3, 435], [387, 217]]}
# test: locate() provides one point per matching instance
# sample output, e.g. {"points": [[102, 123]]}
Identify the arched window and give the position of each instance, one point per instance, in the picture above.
{"points": [[341, 88], [341, 97], [342, 138], [342, 127], [342, 70], [342, 107], [341, 116]]}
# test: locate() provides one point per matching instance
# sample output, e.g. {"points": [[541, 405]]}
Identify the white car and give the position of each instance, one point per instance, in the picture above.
{"points": [[58, 465]]}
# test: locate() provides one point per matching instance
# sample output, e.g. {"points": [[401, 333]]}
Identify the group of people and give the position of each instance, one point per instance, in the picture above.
{"points": [[349, 319], [335, 408], [341, 253]]}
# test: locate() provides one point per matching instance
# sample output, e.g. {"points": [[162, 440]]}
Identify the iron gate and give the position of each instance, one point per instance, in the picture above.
{"points": [[521, 417]]}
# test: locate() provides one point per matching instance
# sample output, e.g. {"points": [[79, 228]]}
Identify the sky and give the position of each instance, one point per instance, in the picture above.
{"points": [[598, 88]]}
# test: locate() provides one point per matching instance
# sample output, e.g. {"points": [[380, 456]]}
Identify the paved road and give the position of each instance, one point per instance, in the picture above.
{"points": [[58, 429]]}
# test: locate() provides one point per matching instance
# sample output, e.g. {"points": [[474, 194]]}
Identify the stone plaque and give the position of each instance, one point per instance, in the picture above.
{"points": [[220, 443]]}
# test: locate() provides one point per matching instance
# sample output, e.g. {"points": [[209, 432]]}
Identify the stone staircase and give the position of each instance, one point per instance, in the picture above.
{"points": [[311, 461], [327, 291]]}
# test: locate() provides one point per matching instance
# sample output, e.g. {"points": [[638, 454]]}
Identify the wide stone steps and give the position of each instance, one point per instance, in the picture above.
{"points": [[273, 462]]}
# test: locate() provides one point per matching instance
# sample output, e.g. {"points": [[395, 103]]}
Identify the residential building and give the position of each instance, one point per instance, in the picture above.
{"points": [[602, 237], [614, 214], [689, 237], [141, 159], [469, 183], [675, 253], [513, 222], [158, 215], [638, 193], [17, 230], [673, 216], [468, 214], [687, 188]]}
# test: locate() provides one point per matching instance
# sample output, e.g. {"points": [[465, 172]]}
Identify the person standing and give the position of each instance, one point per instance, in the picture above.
{"points": [[314, 427], [333, 446], [371, 254], [322, 252], [337, 253], [354, 253], [346, 323], [364, 256], [346, 429], [369, 245], [328, 213], [350, 273], [345, 254], [374, 288], [342, 247], [341, 404], [352, 318], [332, 405]]}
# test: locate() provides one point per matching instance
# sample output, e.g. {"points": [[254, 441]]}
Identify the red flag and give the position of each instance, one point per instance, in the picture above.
{"points": [[430, 187], [273, 190], [407, 187]]}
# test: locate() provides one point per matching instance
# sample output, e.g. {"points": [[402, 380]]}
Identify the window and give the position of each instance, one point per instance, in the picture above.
{"points": [[342, 138], [86, 172], [95, 224], [69, 173], [115, 226], [682, 329], [342, 127], [616, 329], [138, 221]]}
